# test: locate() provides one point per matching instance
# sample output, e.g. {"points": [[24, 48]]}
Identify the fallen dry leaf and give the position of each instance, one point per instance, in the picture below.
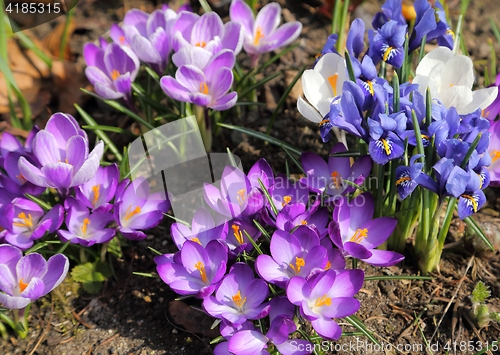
{"points": [[192, 320]]}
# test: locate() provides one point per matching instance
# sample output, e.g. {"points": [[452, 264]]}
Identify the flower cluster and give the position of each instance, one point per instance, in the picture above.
{"points": [[58, 157], [223, 261], [202, 48]]}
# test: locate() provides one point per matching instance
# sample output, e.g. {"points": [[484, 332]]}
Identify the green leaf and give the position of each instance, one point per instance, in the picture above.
{"points": [[261, 136], [476, 229], [91, 275], [258, 84], [480, 293], [23, 103], [359, 325], [115, 247]]}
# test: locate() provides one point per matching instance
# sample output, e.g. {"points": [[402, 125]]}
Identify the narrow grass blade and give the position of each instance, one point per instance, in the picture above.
{"points": [[474, 226], [261, 136], [109, 129], [283, 98], [258, 84], [295, 161], [100, 133], [350, 69], [268, 197], [206, 7], [495, 30], [359, 325], [38, 201], [64, 39]]}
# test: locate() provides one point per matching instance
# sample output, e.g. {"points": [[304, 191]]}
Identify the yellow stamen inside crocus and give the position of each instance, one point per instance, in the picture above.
{"points": [[241, 196], [299, 262], [237, 233], [258, 36], [203, 273], [409, 12], [387, 53], [323, 301], [196, 240], [129, 214], [333, 83], [402, 179], [121, 39], [95, 197], [115, 74], [238, 301], [304, 223], [201, 44], [286, 200], [495, 155], [359, 235], [387, 147], [324, 122], [22, 285], [472, 200], [86, 222], [27, 221], [204, 88], [336, 179]]}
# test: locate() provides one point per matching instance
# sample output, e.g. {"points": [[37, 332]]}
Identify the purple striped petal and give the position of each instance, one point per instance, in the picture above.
{"points": [[240, 12], [190, 77], [173, 89], [283, 36], [45, 148], [206, 28], [76, 151], [31, 173], [123, 84], [13, 302], [94, 56], [223, 84], [268, 19], [58, 175], [107, 91], [8, 281], [196, 56], [34, 290], [225, 102], [32, 265], [233, 37]]}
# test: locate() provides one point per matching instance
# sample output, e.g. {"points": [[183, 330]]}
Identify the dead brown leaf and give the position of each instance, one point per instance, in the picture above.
{"points": [[192, 320], [53, 40]]}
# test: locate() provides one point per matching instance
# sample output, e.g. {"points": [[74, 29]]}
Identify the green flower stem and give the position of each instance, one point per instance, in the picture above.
{"points": [[379, 207], [407, 222], [203, 119]]}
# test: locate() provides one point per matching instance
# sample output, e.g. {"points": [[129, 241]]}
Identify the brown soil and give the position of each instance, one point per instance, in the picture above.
{"points": [[138, 315]]}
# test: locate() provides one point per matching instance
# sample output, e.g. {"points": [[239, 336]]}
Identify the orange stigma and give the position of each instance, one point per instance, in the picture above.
{"points": [[258, 36], [299, 263], [495, 155], [286, 200], [241, 196], [95, 197], [337, 180], [22, 285], [237, 233], [201, 44], [115, 74], [204, 88], [129, 214], [203, 273], [333, 83], [86, 222], [238, 301], [323, 301]]}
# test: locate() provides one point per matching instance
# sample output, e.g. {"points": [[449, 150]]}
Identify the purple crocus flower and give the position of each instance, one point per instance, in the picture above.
{"points": [[86, 228], [150, 36], [331, 177], [356, 234], [111, 70], [295, 215], [262, 34], [493, 110], [328, 295], [13, 180], [206, 31], [62, 149], [494, 152], [24, 222], [26, 279], [237, 239], [239, 296], [203, 88], [194, 270], [203, 230], [296, 254], [136, 209], [236, 196], [100, 189]]}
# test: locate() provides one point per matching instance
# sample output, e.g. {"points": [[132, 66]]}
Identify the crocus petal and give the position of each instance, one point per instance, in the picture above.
{"points": [[357, 251], [283, 36], [233, 37], [106, 91], [379, 230], [196, 56], [32, 265], [267, 19], [308, 111], [45, 148], [89, 168], [384, 258], [240, 11], [8, 281], [13, 302], [247, 342], [173, 89], [206, 28], [31, 173], [327, 328], [190, 77]]}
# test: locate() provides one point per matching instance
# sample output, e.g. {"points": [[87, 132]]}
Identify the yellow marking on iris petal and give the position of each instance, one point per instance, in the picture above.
{"points": [[129, 214], [480, 181], [203, 273], [27, 221], [370, 87], [359, 235], [22, 285], [495, 155], [241, 196], [204, 88], [237, 233], [196, 240], [387, 147], [333, 83], [238, 301], [472, 200], [286, 200], [299, 263], [323, 301], [450, 32], [86, 222], [258, 36], [401, 180], [337, 180], [409, 12], [115, 74], [201, 44], [95, 196], [387, 53]]}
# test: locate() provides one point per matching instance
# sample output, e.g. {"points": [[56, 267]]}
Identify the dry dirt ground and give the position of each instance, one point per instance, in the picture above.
{"points": [[138, 315]]}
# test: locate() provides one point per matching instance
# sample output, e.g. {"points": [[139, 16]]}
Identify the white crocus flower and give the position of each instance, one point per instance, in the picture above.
{"points": [[450, 78], [321, 85]]}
